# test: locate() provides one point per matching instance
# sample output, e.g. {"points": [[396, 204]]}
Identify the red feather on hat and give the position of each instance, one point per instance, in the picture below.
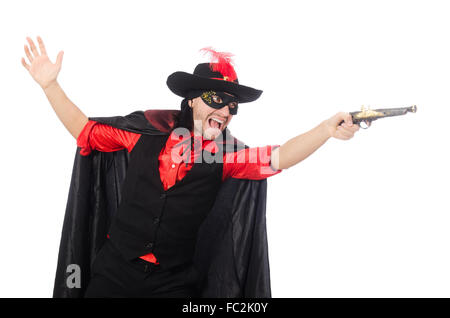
{"points": [[221, 62]]}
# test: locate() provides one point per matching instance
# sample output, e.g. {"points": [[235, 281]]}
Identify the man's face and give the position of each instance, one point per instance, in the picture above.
{"points": [[208, 121]]}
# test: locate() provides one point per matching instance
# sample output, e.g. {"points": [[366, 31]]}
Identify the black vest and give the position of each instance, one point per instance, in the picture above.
{"points": [[152, 220]]}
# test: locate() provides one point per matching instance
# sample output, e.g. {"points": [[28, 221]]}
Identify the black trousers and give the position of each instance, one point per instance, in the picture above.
{"points": [[114, 276]]}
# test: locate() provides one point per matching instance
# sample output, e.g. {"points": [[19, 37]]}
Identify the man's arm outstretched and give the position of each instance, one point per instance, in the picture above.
{"points": [[44, 72], [300, 147]]}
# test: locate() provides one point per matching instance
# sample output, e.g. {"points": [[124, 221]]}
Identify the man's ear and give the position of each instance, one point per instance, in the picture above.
{"points": [[190, 103]]}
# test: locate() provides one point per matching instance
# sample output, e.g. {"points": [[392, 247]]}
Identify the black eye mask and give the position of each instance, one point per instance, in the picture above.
{"points": [[218, 100]]}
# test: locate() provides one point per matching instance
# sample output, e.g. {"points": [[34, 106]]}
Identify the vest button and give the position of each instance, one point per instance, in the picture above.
{"points": [[155, 220], [149, 245], [162, 196]]}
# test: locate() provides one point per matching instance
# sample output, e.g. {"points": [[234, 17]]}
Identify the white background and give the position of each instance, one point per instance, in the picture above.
{"points": [[368, 217]]}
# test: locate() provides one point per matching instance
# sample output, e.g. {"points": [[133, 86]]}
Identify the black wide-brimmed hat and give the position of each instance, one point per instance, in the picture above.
{"points": [[218, 76]]}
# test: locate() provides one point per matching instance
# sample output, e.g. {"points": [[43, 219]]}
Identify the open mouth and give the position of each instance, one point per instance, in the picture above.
{"points": [[216, 123]]}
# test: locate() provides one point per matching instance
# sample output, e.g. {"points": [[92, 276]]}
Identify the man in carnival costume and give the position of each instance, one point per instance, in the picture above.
{"points": [[167, 203]]}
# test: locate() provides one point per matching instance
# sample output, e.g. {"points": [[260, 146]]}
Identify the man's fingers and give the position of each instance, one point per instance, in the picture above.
{"points": [[345, 132], [342, 117], [345, 127], [27, 52], [33, 47], [351, 129], [348, 119], [41, 46], [340, 135], [25, 64], [59, 58]]}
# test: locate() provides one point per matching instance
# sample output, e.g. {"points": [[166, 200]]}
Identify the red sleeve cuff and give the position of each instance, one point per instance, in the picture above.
{"points": [[266, 164], [270, 161], [83, 138]]}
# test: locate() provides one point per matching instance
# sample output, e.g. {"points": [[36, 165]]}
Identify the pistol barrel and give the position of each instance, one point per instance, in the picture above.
{"points": [[412, 109], [389, 112]]}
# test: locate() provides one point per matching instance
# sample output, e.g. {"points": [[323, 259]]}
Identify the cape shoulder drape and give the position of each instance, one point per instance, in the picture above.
{"points": [[231, 251]]}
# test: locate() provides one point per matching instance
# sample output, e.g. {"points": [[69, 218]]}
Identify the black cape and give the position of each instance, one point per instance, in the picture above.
{"points": [[231, 251]]}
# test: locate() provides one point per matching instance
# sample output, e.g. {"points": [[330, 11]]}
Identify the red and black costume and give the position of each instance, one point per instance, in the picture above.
{"points": [[172, 169], [203, 221]]}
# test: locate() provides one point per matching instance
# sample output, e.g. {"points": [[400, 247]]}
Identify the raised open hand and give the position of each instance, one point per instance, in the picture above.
{"points": [[43, 71]]}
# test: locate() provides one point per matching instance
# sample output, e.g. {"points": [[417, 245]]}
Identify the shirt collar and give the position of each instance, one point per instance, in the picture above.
{"points": [[176, 140]]}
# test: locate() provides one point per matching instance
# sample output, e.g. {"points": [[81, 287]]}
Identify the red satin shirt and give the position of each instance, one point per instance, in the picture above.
{"points": [[249, 163]]}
